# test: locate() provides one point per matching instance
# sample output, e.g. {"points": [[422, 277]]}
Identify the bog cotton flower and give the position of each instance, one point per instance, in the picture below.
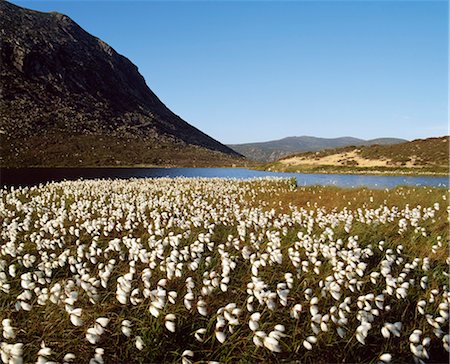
{"points": [[139, 343]]}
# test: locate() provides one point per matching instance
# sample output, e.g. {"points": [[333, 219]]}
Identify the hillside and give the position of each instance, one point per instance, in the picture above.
{"points": [[421, 156], [68, 99], [276, 149]]}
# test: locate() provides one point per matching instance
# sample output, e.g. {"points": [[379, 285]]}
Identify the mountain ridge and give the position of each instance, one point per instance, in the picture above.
{"points": [[57, 79], [275, 149]]}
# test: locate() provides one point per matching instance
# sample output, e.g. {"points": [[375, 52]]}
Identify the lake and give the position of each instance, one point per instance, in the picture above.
{"points": [[34, 176]]}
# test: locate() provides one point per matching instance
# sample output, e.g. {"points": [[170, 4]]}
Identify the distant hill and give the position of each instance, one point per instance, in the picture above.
{"points": [[68, 99], [428, 156], [275, 149]]}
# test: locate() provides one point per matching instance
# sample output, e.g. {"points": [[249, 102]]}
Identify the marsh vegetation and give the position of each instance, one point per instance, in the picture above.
{"points": [[198, 270]]}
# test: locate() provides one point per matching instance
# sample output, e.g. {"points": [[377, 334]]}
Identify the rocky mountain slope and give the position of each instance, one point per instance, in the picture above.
{"points": [[420, 156], [68, 99], [275, 149]]}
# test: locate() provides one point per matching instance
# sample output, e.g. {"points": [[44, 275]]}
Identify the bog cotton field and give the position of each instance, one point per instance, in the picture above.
{"points": [[198, 270]]}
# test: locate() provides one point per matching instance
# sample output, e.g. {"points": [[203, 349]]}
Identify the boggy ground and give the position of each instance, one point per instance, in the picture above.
{"points": [[219, 270]]}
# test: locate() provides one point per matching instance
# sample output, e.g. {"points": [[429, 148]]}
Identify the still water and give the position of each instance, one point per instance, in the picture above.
{"points": [[34, 176]]}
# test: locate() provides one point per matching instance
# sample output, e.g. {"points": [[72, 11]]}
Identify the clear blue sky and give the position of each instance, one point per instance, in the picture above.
{"points": [[261, 70]]}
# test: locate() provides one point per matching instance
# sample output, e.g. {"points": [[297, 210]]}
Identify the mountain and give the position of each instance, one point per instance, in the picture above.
{"points": [[67, 98], [275, 149], [420, 156]]}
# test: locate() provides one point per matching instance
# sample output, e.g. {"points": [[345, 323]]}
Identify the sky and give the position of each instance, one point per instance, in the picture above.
{"points": [[247, 71]]}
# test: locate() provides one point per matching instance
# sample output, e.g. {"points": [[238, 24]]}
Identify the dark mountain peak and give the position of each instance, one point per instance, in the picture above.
{"points": [[57, 78], [51, 47]]}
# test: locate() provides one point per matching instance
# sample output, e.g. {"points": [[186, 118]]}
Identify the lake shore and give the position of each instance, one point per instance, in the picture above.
{"points": [[34, 176], [324, 169], [274, 167]]}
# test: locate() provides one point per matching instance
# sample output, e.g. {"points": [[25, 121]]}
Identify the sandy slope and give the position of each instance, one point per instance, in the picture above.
{"points": [[341, 159]]}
